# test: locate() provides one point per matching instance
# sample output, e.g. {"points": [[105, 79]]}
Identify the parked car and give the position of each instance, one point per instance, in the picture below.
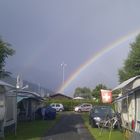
{"points": [[57, 106], [83, 107], [100, 113]]}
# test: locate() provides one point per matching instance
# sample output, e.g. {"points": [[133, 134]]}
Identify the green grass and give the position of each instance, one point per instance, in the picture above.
{"points": [[33, 130], [102, 135]]}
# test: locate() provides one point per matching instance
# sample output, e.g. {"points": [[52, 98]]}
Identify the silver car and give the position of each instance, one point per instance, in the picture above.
{"points": [[83, 107]]}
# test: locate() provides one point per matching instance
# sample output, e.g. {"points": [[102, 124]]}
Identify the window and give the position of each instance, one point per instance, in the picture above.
{"points": [[57, 105]]}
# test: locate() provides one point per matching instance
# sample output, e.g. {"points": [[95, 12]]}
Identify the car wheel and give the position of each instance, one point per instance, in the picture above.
{"points": [[79, 110], [60, 110]]}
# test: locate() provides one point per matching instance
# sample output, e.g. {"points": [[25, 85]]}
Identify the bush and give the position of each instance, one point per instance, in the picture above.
{"points": [[69, 104]]}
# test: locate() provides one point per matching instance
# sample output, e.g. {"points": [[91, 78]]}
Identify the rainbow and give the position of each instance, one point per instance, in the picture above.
{"points": [[96, 57]]}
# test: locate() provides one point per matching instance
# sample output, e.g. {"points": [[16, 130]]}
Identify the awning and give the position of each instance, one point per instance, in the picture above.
{"points": [[123, 97], [6, 84]]}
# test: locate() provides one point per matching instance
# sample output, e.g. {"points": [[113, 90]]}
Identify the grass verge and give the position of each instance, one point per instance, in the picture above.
{"points": [[105, 135], [33, 130]]}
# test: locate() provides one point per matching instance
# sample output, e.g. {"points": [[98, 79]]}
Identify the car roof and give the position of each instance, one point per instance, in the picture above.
{"points": [[105, 106]]}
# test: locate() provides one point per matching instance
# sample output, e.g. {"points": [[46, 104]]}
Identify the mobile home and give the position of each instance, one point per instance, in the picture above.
{"points": [[128, 105], [8, 110]]}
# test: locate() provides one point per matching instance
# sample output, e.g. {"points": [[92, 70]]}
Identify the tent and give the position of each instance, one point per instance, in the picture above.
{"points": [[78, 98], [28, 102]]}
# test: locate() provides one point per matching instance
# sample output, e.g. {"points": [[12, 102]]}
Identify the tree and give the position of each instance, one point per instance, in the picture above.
{"points": [[83, 92], [77, 92], [5, 51], [96, 91], [131, 66]]}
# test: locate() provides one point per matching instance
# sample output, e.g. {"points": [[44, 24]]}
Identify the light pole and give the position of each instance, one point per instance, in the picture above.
{"points": [[63, 65]]}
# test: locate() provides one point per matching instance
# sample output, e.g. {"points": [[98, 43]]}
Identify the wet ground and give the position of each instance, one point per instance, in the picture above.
{"points": [[70, 127]]}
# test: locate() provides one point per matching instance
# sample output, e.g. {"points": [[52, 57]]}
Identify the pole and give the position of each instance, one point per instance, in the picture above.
{"points": [[63, 65], [16, 106]]}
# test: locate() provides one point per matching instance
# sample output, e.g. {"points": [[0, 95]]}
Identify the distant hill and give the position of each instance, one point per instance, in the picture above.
{"points": [[32, 87]]}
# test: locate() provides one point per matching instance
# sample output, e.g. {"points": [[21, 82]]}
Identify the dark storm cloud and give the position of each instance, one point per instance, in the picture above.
{"points": [[46, 33]]}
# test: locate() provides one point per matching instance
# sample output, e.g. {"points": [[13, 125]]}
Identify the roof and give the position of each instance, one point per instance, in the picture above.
{"points": [[59, 94], [26, 93], [5, 84], [125, 83], [29, 94], [19, 98]]}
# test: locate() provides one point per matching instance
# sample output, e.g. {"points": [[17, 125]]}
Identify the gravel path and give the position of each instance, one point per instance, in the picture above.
{"points": [[70, 127]]}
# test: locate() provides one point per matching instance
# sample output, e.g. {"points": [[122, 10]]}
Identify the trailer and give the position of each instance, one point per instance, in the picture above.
{"points": [[8, 111], [128, 105]]}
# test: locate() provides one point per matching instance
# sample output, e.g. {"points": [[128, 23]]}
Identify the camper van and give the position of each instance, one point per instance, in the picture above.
{"points": [[128, 105]]}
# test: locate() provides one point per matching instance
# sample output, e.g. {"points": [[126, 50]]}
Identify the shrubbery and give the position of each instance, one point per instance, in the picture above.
{"points": [[69, 104]]}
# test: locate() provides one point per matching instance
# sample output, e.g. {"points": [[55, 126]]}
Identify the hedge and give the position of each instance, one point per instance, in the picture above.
{"points": [[69, 104]]}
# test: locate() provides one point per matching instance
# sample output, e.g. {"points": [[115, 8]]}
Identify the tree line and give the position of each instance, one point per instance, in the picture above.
{"points": [[88, 93]]}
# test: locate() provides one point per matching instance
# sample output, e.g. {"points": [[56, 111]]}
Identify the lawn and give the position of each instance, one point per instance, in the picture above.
{"points": [[102, 135], [33, 130]]}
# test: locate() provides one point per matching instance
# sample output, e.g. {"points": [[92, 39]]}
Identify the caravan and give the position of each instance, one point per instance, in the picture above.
{"points": [[128, 105], [7, 107]]}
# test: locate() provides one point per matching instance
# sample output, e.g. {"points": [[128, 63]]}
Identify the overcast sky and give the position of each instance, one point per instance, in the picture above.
{"points": [[46, 33]]}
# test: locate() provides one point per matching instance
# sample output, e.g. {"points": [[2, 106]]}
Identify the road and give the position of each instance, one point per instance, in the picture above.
{"points": [[70, 127]]}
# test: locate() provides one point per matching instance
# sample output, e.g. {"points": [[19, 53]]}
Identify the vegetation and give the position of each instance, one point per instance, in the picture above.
{"points": [[5, 51], [96, 91], [33, 130], [83, 92], [70, 104], [105, 135], [87, 93], [131, 66]]}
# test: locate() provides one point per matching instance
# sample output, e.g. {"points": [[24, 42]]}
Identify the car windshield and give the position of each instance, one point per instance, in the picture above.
{"points": [[80, 105], [103, 110]]}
